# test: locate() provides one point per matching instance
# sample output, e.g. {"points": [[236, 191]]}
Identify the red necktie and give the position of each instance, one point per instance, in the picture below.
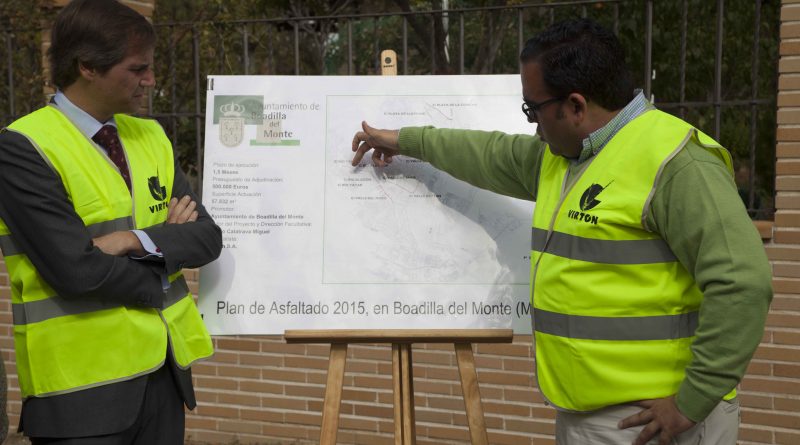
{"points": [[108, 138]]}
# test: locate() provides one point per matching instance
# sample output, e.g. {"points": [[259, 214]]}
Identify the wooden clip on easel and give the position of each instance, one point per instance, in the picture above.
{"points": [[388, 63]]}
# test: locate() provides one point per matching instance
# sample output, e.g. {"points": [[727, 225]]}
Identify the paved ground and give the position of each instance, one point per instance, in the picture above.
{"points": [[16, 439], [19, 439]]}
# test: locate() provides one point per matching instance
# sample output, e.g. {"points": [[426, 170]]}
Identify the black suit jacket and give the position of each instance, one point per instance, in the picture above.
{"points": [[35, 207]]}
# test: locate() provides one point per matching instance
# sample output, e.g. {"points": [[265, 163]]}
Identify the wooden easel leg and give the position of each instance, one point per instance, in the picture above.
{"points": [[472, 395], [403, 386], [397, 392], [406, 369], [333, 394]]}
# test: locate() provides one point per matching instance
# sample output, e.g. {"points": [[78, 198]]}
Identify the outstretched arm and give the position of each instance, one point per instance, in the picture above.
{"points": [[507, 164]]}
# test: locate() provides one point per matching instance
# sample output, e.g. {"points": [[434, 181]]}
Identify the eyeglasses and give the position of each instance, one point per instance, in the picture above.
{"points": [[532, 109]]}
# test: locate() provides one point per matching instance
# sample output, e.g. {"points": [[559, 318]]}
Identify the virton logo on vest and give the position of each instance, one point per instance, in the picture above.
{"points": [[588, 202], [158, 192]]}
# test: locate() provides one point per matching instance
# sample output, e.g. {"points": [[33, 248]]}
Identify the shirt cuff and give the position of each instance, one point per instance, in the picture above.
{"points": [[153, 253], [410, 141], [148, 245], [694, 404]]}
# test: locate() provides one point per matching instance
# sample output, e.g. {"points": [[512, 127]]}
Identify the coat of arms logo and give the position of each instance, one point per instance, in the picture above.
{"points": [[231, 124]]}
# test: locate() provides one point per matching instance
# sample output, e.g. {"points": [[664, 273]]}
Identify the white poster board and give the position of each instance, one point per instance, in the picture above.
{"points": [[314, 243]]}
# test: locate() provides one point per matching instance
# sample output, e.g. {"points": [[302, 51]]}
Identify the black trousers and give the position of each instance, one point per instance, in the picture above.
{"points": [[160, 420]]}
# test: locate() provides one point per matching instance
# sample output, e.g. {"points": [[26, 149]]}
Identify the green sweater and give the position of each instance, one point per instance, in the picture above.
{"points": [[696, 209]]}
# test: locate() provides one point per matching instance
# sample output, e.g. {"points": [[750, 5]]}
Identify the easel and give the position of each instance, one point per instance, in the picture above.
{"points": [[402, 369], [402, 373]]}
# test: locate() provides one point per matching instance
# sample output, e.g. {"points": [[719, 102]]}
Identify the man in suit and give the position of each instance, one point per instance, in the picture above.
{"points": [[96, 222]]}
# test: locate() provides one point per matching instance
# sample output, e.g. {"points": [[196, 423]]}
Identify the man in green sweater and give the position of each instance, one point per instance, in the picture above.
{"points": [[650, 285]]}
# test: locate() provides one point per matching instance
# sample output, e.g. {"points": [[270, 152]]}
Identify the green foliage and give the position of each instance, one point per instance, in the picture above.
{"points": [[234, 37], [21, 58], [742, 126]]}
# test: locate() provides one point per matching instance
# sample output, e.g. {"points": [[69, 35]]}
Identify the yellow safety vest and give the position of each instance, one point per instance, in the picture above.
{"points": [[614, 310], [65, 345]]}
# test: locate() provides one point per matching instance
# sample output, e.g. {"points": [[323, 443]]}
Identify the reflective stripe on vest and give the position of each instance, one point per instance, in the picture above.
{"points": [[614, 312], [9, 248], [56, 306], [641, 251], [662, 327], [68, 344]]}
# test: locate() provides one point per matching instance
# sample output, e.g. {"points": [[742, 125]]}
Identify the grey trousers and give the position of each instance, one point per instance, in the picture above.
{"points": [[721, 427]]}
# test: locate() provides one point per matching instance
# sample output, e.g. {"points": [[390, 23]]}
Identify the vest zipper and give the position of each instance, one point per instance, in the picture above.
{"points": [[564, 191]]}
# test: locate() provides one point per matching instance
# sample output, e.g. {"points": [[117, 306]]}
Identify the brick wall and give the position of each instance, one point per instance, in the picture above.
{"points": [[771, 391], [262, 390]]}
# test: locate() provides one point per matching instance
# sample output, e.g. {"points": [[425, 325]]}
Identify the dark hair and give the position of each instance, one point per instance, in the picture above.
{"points": [[580, 56], [96, 34]]}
